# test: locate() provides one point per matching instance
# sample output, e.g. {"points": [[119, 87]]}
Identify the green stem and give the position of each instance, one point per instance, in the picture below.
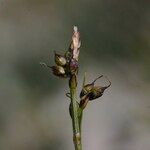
{"points": [[80, 114], [74, 111]]}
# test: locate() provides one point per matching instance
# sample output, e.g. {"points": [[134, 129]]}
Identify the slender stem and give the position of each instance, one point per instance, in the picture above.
{"points": [[75, 119]]}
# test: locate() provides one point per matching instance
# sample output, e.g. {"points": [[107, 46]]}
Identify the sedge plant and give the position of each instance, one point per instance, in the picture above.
{"points": [[66, 66]]}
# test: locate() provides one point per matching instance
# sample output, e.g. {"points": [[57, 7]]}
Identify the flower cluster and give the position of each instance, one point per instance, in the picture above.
{"points": [[67, 64], [91, 92]]}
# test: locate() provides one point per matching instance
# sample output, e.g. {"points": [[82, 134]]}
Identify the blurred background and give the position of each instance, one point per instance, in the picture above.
{"points": [[115, 42]]}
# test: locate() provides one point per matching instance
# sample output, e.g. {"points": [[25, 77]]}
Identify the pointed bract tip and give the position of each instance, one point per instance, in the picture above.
{"points": [[43, 64], [97, 78], [108, 81]]}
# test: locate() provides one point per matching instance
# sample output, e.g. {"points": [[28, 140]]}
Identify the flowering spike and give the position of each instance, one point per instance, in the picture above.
{"points": [[76, 43]]}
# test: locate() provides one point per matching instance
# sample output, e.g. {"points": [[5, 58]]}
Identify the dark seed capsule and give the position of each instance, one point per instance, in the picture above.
{"points": [[97, 91], [60, 60], [87, 88], [59, 71]]}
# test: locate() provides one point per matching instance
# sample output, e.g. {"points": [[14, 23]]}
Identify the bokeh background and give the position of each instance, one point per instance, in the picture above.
{"points": [[115, 42]]}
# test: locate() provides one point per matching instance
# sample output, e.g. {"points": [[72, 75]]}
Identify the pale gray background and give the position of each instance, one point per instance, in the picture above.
{"points": [[115, 42]]}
